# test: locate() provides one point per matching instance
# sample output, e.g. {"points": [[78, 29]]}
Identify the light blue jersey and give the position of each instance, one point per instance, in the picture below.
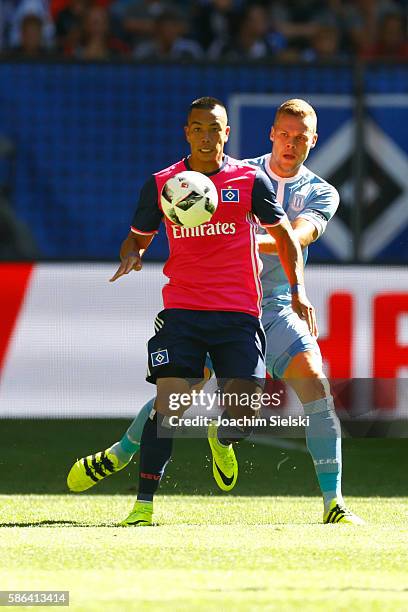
{"points": [[305, 196]]}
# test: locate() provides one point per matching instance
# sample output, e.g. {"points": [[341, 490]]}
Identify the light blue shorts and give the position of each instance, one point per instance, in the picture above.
{"points": [[286, 336]]}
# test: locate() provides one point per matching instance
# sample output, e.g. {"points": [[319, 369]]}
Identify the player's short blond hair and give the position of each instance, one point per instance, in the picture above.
{"points": [[298, 108]]}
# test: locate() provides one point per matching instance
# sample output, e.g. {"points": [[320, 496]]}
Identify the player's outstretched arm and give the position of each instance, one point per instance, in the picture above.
{"points": [[290, 255], [305, 232], [131, 253]]}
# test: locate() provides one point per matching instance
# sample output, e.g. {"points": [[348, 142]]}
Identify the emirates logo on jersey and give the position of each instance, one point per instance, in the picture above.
{"points": [[206, 229]]}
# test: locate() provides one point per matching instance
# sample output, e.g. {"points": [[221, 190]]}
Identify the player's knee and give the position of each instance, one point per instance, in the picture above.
{"points": [[305, 365], [173, 396], [305, 375], [241, 398]]}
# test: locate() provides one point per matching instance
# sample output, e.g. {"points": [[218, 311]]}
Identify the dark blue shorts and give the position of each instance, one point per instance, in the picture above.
{"points": [[235, 342]]}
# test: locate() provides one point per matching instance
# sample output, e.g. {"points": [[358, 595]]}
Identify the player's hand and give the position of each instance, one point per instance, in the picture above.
{"points": [[131, 262], [305, 310]]}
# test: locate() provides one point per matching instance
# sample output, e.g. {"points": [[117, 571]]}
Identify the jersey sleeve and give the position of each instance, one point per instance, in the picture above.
{"points": [[321, 207], [148, 215], [264, 203]]}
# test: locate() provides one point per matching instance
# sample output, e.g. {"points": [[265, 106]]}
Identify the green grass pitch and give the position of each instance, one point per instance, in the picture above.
{"points": [[262, 548]]}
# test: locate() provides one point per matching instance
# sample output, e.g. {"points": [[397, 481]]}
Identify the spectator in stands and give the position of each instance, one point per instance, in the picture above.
{"points": [[22, 8], [69, 17], [68, 24], [97, 42], [215, 20], [324, 47], [138, 18], [298, 20], [57, 6], [356, 21], [31, 40], [391, 42], [168, 41], [7, 8], [254, 40]]}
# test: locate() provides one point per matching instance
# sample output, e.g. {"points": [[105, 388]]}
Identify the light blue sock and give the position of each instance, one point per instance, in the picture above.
{"points": [[130, 443], [323, 439]]}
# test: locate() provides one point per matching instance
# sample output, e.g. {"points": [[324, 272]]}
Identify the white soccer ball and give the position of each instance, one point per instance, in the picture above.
{"points": [[189, 198]]}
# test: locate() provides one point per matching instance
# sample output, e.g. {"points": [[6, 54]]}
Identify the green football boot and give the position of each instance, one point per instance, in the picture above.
{"points": [[141, 515], [225, 465], [338, 513], [88, 471]]}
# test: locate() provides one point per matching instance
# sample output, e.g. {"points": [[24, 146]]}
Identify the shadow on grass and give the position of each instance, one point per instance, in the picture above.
{"points": [[301, 589], [46, 523], [61, 523]]}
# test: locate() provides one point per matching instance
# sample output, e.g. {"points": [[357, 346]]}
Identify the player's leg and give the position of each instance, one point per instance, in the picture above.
{"points": [[130, 442], [183, 363], [89, 471], [155, 453], [305, 375], [293, 354], [156, 449], [323, 436], [239, 363]]}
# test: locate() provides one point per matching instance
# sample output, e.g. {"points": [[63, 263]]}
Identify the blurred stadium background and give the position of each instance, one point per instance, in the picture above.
{"points": [[93, 98]]}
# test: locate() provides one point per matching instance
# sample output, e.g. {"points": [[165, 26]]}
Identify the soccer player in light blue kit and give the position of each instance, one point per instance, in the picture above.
{"points": [[293, 354]]}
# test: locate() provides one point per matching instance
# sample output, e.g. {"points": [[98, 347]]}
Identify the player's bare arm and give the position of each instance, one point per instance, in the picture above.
{"points": [[290, 255], [304, 230], [131, 252]]}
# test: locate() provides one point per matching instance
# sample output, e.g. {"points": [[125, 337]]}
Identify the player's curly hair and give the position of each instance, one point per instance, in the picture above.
{"points": [[206, 103], [298, 108]]}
